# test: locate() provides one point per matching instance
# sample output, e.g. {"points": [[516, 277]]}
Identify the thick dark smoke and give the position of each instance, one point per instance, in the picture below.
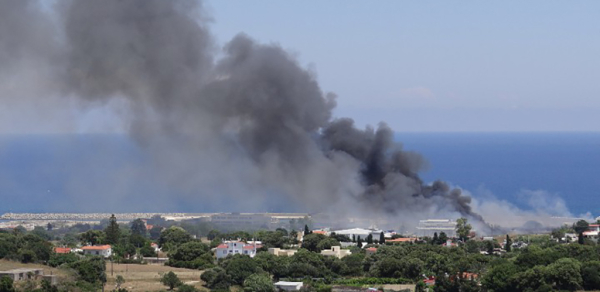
{"points": [[252, 119]]}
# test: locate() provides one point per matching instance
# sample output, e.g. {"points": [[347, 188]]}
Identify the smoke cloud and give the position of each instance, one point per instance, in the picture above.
{"points": [[252, 123]]}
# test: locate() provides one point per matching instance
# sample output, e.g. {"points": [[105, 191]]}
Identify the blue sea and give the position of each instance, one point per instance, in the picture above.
{"points": [[33, 169], [566, 165]]}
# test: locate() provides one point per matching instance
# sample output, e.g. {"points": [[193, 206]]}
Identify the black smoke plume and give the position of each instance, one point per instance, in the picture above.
{"points": [[249, 122]]}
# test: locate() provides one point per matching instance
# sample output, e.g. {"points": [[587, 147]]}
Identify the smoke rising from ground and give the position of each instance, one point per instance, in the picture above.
{"points": [[250, 124]]}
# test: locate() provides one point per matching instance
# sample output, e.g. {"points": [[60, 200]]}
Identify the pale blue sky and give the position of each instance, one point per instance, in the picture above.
{"points": [[440, 66]]}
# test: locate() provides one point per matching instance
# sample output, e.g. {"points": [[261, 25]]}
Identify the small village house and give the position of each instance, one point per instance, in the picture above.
{"points": [[98, 250], [336, 251]]}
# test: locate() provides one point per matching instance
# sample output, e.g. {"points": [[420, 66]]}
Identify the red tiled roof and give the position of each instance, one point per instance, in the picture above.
{"points": [[222, 245], [62, 250], [319, 232], [470, 276], [250, 246], [429, 281], [372, 249], [148, 226], [96, 247]]}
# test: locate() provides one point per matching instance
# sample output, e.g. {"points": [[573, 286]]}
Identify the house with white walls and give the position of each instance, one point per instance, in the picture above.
{"points": [[236, 247], [98, 250]]}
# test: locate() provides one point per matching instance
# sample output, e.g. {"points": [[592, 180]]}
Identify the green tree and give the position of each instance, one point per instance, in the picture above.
{"points": [[260, 282], [138, 227], [137, 240], [119, 280], [58, 259], [239, 267], [172, 237], [381, 238], [112, 231], [191, 255], [273, 239], [306, 230], [534, 279], [353, 264], [216, 279], [91, 270], [359, 242], [565, 274], [443, 238], [370, 238], [283, 231], [147, 250], [27, 256], [155, 232], [590, 273], [6, 284], [312, 240], [47, 286], [463, 228], [508, 245], [213, 234], [69, 240], [498, 278], [327, 243], [34, 245], [490, 246], [435, 239], [92, 237], [294, 237], [41, 232], [580, 227], [171, 280]]}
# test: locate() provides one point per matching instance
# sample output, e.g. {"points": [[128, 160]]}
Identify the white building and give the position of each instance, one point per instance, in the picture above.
{"points": [[336, 251], [99, 250], [282, 252], [236, 247], [289, 286], [430, 226], [363, 233], [592, 232]]}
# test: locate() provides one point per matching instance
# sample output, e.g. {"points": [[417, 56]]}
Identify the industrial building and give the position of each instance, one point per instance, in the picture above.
{"points": [[430, 226]]}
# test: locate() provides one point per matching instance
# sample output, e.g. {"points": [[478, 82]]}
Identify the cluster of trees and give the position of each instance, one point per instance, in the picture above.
{"points": [[89, 274], [25, 247], [126, 241], [554, 267]]}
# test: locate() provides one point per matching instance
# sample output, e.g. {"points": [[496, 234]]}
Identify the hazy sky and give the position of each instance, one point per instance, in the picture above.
{"points": [[440, 66]]}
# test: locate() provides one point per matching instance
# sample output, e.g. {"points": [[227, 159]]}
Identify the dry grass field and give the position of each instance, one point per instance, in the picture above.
{"points": [[9, 265], [137, 277], [147, 277]]}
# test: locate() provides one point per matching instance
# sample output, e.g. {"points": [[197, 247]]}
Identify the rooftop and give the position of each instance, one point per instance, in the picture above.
{"points": [[62, 250], [96, 247]]}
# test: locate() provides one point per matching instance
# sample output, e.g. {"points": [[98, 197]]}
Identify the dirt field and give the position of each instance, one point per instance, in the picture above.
{"points": [[147, 277]]}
